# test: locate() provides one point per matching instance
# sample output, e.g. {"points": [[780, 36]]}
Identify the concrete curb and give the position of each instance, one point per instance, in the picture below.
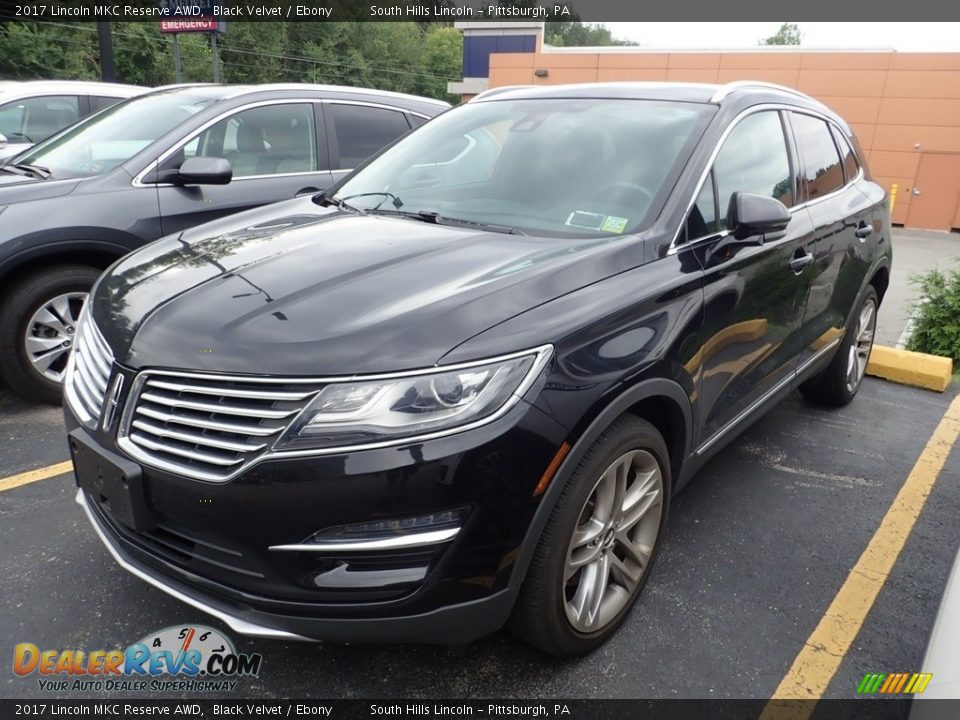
{"points": [[910, 368]]}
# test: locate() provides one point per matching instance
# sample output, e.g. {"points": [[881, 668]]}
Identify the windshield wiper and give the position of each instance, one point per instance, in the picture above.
{"points": [[394, 200], [322, 198], [36, 170], [438, 219]]}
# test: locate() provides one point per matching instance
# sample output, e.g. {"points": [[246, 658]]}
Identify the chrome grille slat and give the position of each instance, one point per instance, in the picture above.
{"points": [[195, 438], [88, 372], [86, 396], [208, 426], [89, 377], [243, 411], [232, 393], [96, 353], [182, 452]]}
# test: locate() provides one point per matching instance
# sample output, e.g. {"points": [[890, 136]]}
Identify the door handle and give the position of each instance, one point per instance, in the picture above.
{"points": [[864, 231], [916, 191], [307, 191], [798, 263]]}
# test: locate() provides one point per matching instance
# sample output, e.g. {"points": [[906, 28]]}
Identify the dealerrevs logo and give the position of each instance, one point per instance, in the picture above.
{"points": [[185, 658]]}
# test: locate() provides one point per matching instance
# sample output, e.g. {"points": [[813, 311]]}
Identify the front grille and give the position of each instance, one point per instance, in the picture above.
{"points": [[88, 372], [207, 426]]}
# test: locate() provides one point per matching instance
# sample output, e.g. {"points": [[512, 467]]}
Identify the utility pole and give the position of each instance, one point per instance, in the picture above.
{"points": [[176, 58], [216, 56], [108, 72]]}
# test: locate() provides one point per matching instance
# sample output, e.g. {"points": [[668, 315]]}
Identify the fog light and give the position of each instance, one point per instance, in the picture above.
{"points": [[392, 534]]}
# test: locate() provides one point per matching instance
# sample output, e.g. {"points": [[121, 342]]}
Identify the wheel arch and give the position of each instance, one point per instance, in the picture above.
{"points": [[95, 253], [661, 402]]}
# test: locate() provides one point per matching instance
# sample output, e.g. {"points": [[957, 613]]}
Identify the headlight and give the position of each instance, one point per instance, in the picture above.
{"points": [[411, 405]]}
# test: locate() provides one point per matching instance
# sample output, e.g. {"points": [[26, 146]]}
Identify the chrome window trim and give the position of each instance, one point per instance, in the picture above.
{"points": [[543, 354], [137, 181], [676, 246]]}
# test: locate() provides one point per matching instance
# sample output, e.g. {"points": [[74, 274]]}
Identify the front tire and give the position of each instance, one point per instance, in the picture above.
{"points": [[599, 544], [839, 382], [38, 321]]}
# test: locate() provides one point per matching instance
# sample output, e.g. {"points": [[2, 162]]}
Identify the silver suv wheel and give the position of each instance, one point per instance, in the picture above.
{"points": [[613, 540]]}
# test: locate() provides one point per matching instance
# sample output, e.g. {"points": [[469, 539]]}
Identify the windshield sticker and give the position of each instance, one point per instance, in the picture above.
{"points": [[614, 224], [584, 219], [595, 221]]}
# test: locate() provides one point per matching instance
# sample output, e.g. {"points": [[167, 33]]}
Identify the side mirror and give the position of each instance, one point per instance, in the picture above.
{"points": [[752, 219], [204, 171], [756, 218], [3, 139]]}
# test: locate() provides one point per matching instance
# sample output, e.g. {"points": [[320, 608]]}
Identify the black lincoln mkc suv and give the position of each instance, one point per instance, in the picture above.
{"points": [[458, 389]]}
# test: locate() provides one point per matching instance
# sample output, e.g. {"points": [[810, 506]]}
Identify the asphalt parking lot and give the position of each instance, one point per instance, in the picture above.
{"points": [[757, 547]]}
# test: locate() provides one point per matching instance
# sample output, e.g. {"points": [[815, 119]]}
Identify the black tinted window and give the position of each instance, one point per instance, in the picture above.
{"points": [[754, 159], [821, 167], [98, 103], [702, 219], [850, 166], [362, 131]]}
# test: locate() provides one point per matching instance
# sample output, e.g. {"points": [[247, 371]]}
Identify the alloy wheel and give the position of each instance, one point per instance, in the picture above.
{"points": [[859, 352], [613, 541], [51, 332]]}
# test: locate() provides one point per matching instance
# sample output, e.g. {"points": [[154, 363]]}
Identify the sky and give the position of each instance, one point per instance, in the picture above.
{"points": [[903, 36]]}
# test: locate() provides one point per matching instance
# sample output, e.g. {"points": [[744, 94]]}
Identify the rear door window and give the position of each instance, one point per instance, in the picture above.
{"points": [[361, 131], [849, 160], [821, 169]]}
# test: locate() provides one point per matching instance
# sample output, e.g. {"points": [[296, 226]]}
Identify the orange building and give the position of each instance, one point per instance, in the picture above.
{"points": [[904, 107]]}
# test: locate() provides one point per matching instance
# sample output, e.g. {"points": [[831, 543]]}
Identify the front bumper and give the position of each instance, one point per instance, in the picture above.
{"points": [[454, 624], [467, 587]]}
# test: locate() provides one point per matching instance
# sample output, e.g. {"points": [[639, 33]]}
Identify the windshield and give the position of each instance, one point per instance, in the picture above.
{"points": [[113, 136], [558, 167]]}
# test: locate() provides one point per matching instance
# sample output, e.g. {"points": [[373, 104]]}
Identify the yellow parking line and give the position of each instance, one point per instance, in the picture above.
{"points": [[824, 650], [30, 476]]}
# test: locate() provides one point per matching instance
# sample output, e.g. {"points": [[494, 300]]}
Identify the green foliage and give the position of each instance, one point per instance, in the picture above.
{"points": [[937, 320], [418, 58], [788, 34], [577, 34]]}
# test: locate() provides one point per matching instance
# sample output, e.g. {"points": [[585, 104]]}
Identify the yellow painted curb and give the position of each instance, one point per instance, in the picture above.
{"points": [[910, 368]]}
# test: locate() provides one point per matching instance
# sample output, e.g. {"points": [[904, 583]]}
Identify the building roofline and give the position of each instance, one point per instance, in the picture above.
{"points": [[774, 49]]}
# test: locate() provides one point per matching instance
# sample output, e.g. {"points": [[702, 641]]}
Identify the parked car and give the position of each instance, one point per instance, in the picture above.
{"points": [[32, 111], [153, 166], [464, 386]]}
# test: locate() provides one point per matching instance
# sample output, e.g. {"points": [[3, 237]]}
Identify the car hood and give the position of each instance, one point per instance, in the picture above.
{"points": [[335, 295]]}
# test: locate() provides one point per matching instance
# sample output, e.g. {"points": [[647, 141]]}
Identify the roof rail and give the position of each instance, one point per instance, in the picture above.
{"points": [[498, 91], [732, 87]]}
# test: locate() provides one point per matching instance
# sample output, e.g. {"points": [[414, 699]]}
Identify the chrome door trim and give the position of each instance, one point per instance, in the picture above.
{"points": [[756, 405]]}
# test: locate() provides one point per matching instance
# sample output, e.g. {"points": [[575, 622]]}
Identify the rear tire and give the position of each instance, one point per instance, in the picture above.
{"points": [[599, 544], [37, 317], [839, 382]]}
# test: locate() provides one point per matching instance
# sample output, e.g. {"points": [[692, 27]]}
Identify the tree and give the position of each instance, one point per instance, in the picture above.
{"points": [[788, 34], [409, 57], [565, 33]]}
